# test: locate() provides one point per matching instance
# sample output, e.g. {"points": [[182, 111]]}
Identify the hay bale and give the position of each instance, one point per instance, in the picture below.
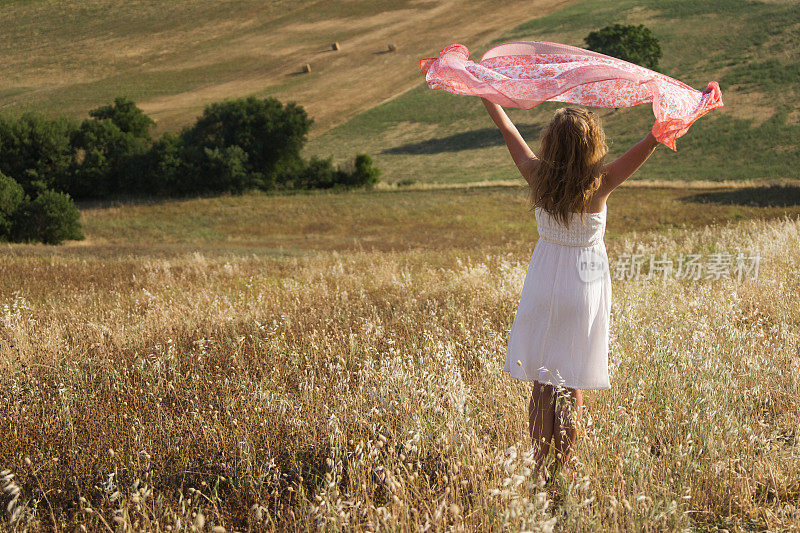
{"points": [[336, 46], [306, 68], [392, 48]]}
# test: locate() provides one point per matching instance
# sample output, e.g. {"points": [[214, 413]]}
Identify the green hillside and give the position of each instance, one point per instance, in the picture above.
{"points": [[750, 48]]}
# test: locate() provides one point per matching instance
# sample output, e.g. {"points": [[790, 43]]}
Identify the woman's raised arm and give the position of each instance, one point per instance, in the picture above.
{"points": [[520, 152], [625, 165]]}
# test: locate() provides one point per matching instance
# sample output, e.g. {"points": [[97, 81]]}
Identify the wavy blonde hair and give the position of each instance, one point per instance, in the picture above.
{"points": [[570, 167]]}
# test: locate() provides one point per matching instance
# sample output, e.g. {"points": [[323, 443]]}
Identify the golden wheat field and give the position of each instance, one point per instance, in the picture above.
{"points": [[362, 391]]}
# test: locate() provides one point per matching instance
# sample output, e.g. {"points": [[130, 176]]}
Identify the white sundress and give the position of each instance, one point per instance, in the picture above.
{"points": [[560, 331]]}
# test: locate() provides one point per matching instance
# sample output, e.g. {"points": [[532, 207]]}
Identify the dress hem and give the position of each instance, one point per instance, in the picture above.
{"points": [[544, 381]]}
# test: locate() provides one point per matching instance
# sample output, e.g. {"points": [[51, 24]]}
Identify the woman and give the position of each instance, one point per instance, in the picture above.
{"points": [[559, 338]]}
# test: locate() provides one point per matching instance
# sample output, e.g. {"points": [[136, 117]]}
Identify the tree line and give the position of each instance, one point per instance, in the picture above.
{"points": [[234, 146]]}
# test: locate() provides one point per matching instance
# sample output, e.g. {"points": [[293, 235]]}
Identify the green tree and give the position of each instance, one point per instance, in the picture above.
{"points": [[105, 159], [124, 114], [270, 133], [36, 151], [11, 198], [50, 218], [635, 44], [161, 170], [236, 145], [225, 170]]}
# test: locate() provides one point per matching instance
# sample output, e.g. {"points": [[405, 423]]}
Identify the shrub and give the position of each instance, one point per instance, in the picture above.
{"points": [[365, 173], [11, 198], [222, 170], [317, 173], [50, 218], [635, 44], [320, 173]]}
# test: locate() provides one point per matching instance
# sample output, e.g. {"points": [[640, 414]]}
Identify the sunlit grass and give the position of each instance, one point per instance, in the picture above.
{"points": [[362, 390], [434, 219]]}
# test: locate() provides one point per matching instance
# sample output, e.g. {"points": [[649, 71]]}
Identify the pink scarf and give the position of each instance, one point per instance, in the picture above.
{"points": [[527, 73]]}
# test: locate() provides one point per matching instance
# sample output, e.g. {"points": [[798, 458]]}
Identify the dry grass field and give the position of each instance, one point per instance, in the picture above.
{"points": [[349, 378]]}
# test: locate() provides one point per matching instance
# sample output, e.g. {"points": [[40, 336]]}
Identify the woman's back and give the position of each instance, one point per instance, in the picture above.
{"points": [[588, 232]]}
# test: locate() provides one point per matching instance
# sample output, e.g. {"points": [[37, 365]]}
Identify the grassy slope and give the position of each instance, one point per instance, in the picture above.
{"points": [[471, 218], [750, 48], [174, 57]]}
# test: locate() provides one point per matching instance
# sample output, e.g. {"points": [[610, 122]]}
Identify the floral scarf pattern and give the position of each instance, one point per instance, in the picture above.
{"points": [[526, 73]]}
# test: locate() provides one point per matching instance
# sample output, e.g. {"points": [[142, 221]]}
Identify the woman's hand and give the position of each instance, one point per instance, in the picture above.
{"points": [[520, 152]]}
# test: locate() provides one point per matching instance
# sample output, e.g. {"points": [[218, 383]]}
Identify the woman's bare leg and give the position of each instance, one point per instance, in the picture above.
{"points": [[568, 411], [541, 416]]}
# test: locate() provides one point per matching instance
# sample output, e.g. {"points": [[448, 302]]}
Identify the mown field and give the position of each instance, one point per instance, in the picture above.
{"points": [[749, 47], [333, 361], [173, 58]]}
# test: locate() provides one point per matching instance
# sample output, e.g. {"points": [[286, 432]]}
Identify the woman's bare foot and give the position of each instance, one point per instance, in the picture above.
{"points": [[569, 473], [541, 475]]}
